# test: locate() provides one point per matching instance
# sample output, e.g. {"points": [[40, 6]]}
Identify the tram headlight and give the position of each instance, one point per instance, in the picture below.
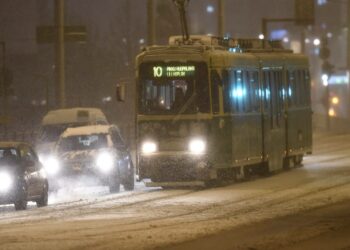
{"points": [[149, 147], [105, 162], [197, 146], [5, 182]]}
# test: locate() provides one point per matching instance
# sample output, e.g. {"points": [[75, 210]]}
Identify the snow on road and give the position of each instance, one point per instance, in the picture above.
{"points": [[148, 218]]}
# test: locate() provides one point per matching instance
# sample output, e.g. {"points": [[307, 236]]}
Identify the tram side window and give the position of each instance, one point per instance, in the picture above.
{"points": [[253, 91], [298, 90], [266, 91], [246, 86], [279, 85], [301, 88], [305, 83], [226, 91], [202, 90], [237, 91], [307, 87], [215, 81], [302, 85], [274, 98], [292, 93]]}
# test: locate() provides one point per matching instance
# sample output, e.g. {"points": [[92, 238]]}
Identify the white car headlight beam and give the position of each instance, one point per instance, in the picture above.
{"points": [[149, 147], [105, 162], [52, 166], [5, 182], [197, 146]]}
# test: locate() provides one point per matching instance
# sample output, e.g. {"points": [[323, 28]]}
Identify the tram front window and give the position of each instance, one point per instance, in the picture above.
{"points": [[169, 94], [167, 97]]}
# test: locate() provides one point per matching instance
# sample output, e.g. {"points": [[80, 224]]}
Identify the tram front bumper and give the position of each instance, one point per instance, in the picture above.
{"points": [[174, 167]]}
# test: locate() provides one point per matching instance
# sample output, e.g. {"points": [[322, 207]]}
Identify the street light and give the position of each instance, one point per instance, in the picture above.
{"points": [[317, 42], [325, 80]]}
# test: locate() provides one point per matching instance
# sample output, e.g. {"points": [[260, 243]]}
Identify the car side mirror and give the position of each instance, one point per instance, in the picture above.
{"points": [[120, 92]]}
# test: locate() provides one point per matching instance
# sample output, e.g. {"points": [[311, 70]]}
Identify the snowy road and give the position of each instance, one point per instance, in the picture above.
{"points": [[304, 208]]}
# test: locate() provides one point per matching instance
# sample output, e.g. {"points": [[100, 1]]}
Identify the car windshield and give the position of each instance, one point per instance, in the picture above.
{"points": [[8, 154], [83, 142], [51, 133]]}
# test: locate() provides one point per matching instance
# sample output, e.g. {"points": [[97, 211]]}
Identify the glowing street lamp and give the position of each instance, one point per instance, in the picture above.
{"points": [[317, 42], [331, 112], [335, 100], [325, 80]]}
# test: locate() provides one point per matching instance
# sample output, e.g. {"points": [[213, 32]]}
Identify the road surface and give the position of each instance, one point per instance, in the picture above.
{"points": [[303, 208]]}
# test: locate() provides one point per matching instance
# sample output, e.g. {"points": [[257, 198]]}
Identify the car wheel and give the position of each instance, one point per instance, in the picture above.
{"points": [[43, 201], [129, 183], [21, 205], [114, 184], [21, 201]]}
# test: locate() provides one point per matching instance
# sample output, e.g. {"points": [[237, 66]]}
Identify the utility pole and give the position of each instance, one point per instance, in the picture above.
{"points": [[60, 54], [348, 52], [3, 87], [327, 71], [302, 41], [221, 18], [348, 47], [128, 35], [150, 23]]}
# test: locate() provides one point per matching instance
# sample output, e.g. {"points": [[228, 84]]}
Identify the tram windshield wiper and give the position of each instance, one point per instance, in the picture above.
{"points": [[185, 106]]}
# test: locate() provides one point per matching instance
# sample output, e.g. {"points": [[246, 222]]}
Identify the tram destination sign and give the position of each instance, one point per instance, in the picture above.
{"points": [[172, 71]]}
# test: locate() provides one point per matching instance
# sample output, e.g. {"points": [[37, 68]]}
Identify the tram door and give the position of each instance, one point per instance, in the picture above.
{"points": [[273, 119]]}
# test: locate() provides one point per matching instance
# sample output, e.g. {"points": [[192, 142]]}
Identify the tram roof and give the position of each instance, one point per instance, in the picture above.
{"points": [[209, 49]]}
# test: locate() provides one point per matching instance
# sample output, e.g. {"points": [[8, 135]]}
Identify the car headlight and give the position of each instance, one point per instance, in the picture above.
{"points": [[197, 146], [149, 147], [42, 158], [105, 162], [42, 173], [5, 181], [52, 166]]}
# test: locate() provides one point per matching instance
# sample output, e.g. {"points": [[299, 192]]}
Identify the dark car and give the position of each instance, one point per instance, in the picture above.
{"points": [[22, 177], [94, 152]]}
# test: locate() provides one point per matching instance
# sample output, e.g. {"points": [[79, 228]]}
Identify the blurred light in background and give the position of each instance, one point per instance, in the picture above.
{"points": [[278, 34], [321, 2], [331, 112], [335, 100], [285, 39], [325, 79], [210, 9], [317, 42]]}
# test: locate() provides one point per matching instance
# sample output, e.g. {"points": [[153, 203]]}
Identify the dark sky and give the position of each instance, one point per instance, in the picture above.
{"points": [[115, 28], [114, 31], [19, 18]]}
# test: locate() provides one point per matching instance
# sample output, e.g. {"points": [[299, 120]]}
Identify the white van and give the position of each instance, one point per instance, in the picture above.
{"points": [[55, 123]]}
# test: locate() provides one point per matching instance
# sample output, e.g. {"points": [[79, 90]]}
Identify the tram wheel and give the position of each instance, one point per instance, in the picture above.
{"points": [[288, 163], [298, 160]]}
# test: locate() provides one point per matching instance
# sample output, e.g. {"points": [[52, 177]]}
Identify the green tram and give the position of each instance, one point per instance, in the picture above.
{"points": [[220, 109]]}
